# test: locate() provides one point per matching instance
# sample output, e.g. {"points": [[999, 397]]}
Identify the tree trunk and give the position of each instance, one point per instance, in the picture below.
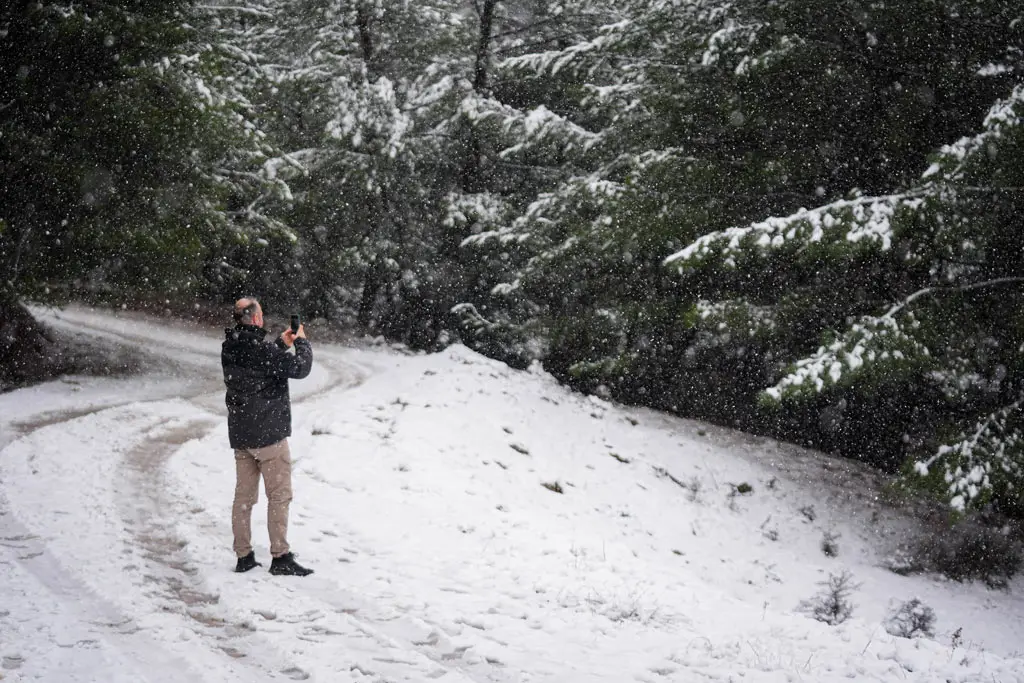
{"points": [[363, 24], [372, 282], [483, 47], [469, 175]]}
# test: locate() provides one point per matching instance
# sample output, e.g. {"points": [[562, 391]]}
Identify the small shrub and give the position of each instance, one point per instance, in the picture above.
{"points": [[808, 512], [552, 486], [902, 562], [831, 604], [693, 489], [830, 544], [741, 489], [912, 619]]}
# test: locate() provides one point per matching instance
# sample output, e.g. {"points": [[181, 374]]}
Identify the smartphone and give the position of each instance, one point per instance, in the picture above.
{"points": [[295, 323]]}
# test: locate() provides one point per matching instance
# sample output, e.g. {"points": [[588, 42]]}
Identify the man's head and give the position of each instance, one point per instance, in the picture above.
{"points": [[248, 312]]}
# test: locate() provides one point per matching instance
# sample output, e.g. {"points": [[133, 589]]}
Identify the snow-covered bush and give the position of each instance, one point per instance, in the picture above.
{"points": [[911, 619], [830, 543]]}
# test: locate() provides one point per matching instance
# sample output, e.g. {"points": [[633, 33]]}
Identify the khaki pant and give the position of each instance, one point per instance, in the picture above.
{"points": [[274, 462]]}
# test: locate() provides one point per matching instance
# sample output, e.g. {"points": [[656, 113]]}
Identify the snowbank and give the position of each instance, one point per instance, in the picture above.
{"points": [[467, 522]]}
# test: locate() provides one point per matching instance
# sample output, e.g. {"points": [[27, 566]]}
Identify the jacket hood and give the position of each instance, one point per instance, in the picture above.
{"points": [[245, 333]]}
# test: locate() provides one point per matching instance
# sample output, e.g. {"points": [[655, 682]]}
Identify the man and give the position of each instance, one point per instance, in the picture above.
{"points": [[256, 373]]}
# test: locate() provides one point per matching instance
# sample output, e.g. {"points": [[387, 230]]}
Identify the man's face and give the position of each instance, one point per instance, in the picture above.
{"points": [[257, 317]]}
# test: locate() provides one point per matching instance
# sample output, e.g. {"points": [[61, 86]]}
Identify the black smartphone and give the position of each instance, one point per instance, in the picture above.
{"points": [[295, 323]]}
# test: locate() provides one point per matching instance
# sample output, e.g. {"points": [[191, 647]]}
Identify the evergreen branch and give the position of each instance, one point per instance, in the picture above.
{"points": [[990, 190], [527, 27], [871, 339], [928, 291], [986, 459], [861, 218], [250, 11], [547, 40]]}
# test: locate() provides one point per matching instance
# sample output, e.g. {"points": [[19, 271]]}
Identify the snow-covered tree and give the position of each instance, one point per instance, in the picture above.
{"points": [[948, 325], [400, 138], [124, 161], [123, 152], [352, 95], [696, 126]]}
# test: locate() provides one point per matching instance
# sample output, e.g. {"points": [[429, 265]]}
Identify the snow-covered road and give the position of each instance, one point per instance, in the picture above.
{"points": [[467, 523], [102, 447]]}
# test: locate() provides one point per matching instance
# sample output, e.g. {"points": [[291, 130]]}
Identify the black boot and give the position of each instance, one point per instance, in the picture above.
{"points": [[248, 562], [287, 566]]}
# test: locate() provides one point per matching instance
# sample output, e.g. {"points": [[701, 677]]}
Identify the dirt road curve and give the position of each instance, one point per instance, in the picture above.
{"points": [[182, 363]]}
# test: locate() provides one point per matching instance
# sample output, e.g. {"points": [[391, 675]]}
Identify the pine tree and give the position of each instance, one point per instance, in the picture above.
{"points": [[699, 127], [402, 137], [120, 155], [120, 159], [947, 326]]}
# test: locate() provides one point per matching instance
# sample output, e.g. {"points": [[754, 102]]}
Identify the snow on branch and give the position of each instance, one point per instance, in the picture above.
{"points": [[539, 125], [543, 125], [860, 220], [870, 341], [479, 211], [784, 47], [873, 340], [368, 117], [426, 92], [991, 455], [248, 11], [733, 38], [591, 191], [737, 316], [649, 159], [553, 61], [473, 319], [1004, 116]]}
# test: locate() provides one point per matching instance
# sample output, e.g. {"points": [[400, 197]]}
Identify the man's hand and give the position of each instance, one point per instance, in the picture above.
{"points": [[289, 337]]}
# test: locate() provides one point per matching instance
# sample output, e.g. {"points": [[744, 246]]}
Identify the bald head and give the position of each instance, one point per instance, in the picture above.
{"points": [[248, 312]]}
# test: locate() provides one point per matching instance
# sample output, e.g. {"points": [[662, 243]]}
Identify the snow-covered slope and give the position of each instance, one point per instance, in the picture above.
{"points": [[467, 523]]}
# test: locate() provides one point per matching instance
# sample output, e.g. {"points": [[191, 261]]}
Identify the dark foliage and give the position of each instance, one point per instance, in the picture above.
{"points": [[970, 550]]}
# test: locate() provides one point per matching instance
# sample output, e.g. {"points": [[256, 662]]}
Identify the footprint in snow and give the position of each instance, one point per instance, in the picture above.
{"points": [[12, 662], [295, 673]]}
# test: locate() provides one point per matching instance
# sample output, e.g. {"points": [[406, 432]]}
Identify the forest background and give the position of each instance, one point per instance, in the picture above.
{"points": [[797, 218]]}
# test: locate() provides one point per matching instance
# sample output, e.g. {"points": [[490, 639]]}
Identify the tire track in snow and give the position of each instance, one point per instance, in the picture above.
{"points": [[107, 627], [146, 505]]}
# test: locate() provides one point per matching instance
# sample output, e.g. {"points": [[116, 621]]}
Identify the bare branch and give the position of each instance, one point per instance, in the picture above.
{"points": [[929, 291]]}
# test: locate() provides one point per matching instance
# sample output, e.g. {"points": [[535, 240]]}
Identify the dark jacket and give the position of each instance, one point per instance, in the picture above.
{"points": [[256, 373]]}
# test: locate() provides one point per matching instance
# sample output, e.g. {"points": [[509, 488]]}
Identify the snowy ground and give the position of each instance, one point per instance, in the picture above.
{"points": [[420, 500]]}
